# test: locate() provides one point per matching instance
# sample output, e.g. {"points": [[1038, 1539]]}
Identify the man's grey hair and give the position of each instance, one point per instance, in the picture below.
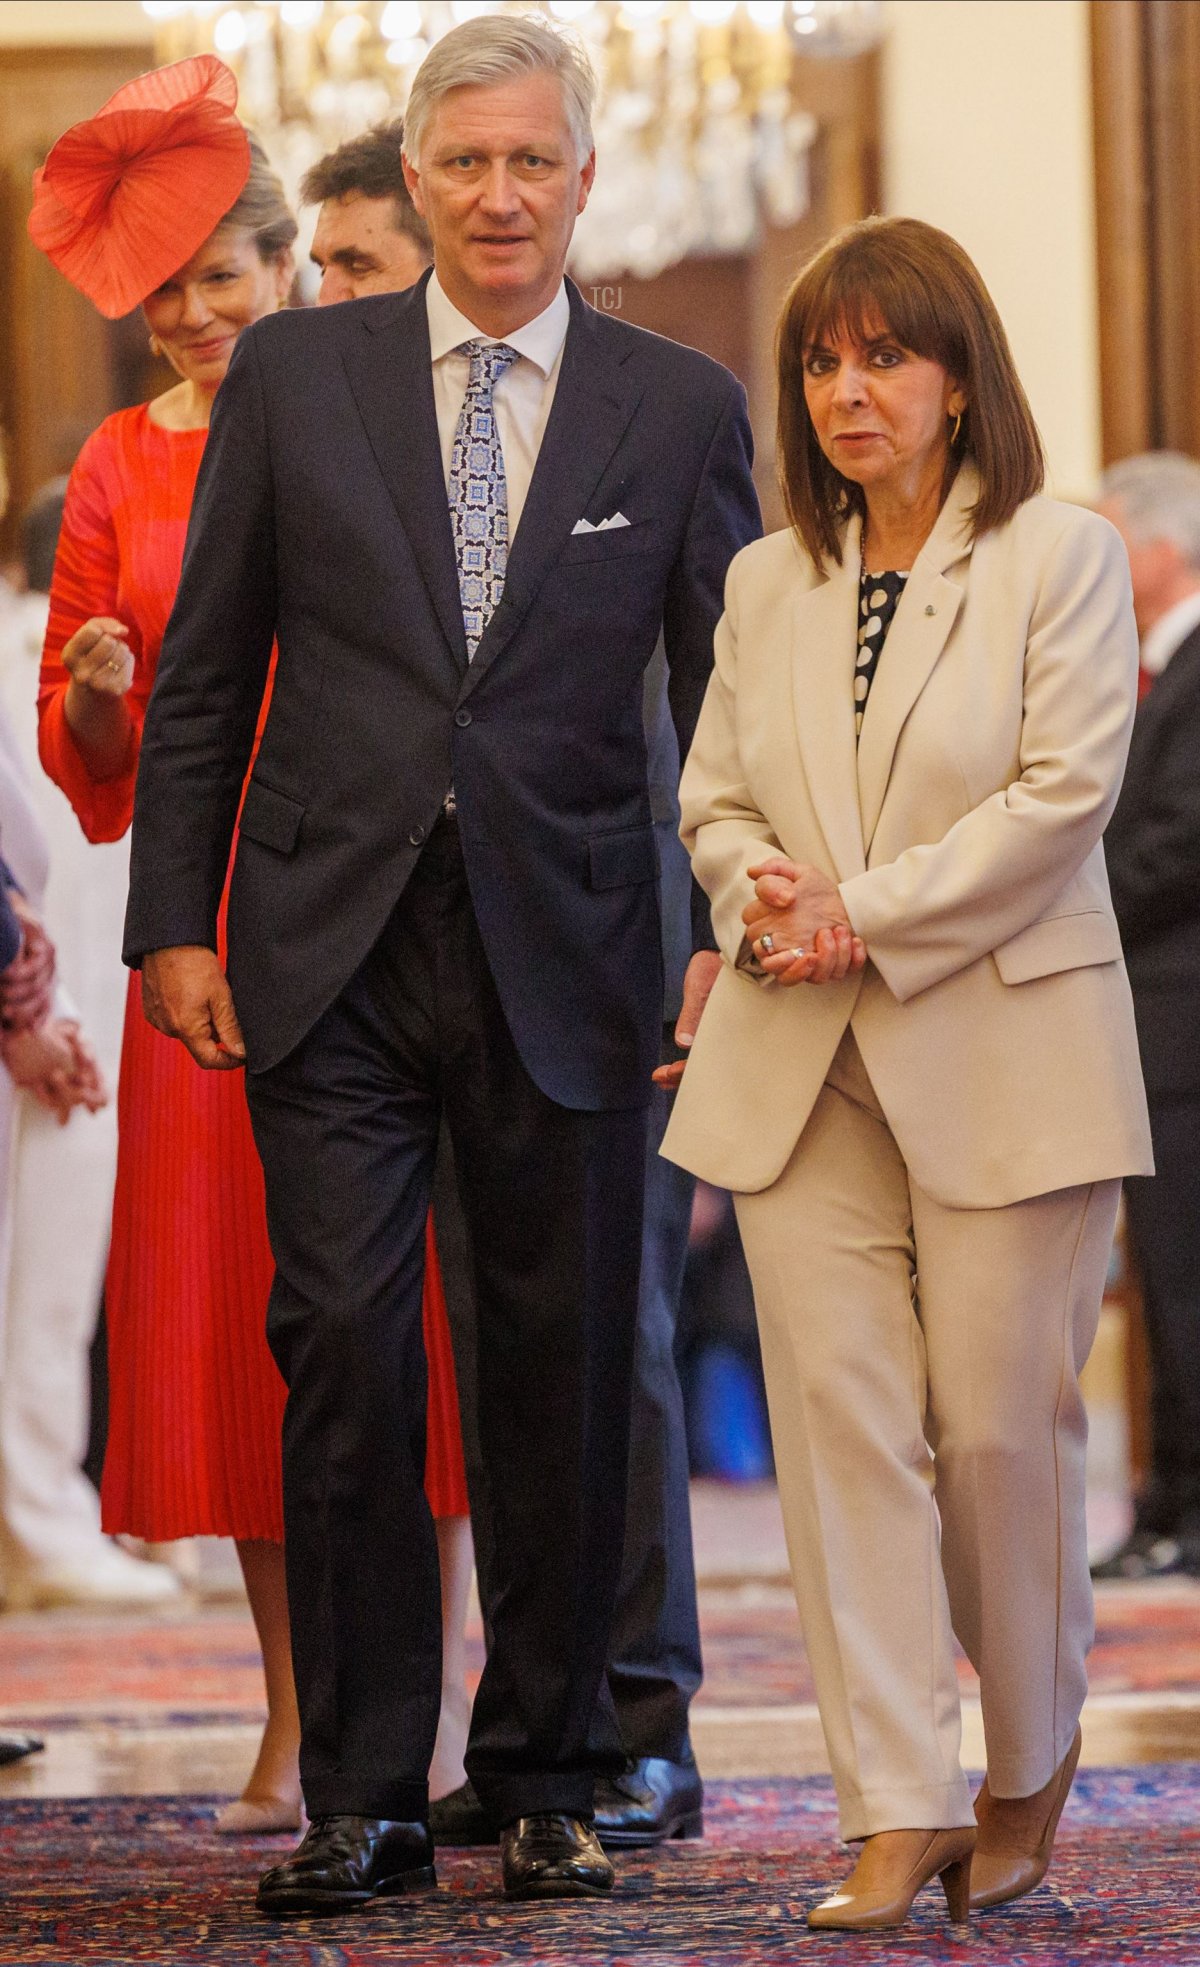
{"points": [[497, 48], [1159, 496]]}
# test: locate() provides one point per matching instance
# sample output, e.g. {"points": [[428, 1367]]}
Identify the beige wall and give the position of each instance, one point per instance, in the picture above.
{"points": [[987, 132], [78, 23]]}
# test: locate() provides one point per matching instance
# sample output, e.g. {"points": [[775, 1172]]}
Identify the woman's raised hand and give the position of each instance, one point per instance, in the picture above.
{"points": [[98, 657]]}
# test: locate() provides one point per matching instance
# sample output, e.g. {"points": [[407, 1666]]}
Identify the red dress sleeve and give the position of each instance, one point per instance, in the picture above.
{"points": [[86, 583]]}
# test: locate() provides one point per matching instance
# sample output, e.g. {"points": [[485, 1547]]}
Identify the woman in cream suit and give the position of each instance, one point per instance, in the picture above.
{"points": [[917, 1070]]}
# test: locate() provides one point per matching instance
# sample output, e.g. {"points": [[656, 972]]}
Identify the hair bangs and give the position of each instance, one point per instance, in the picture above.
{"points": [[866, 296]]}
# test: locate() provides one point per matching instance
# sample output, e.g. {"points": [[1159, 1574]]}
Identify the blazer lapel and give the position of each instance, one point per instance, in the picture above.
{"points": [[923, 620], [388, 365], [825, 646], [593, 404]]}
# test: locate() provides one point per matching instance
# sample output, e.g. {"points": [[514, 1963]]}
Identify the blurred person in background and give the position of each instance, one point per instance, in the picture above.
{"points": [[370, 239], [1152, 847], [717, 1348], [14, 960], [52, 1548]]}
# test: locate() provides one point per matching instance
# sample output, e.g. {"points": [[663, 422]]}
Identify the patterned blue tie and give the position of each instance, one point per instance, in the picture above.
{"points": [[478, 491]]}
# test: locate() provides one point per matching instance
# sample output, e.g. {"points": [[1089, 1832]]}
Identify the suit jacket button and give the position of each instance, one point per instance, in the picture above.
{"points": [[416, 836], [462, 718]]}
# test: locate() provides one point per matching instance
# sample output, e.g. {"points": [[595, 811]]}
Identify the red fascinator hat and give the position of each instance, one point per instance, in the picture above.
{"points": [[126, 198]]}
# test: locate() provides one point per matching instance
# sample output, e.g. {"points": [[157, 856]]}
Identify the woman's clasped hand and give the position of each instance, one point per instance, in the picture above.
{"points": [[797, 925]]}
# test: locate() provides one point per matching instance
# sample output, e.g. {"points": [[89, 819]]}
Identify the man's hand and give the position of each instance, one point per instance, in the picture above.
{"points": [[27, 986], [800, 913], [185, 995], [700, 976]]}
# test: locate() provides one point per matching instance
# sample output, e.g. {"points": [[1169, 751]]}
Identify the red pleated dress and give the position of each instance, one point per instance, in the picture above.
{"points": [[195, 1398]]}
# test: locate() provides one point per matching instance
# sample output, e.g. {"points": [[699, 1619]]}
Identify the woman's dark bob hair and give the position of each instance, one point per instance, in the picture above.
{"points": [[927, 293]]}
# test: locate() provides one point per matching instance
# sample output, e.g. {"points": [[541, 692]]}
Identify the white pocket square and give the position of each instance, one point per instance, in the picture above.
{"points": [[603, 526]]}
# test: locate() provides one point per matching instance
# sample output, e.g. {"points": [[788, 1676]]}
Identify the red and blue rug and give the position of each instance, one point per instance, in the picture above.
{"points": [[123, 1880]]}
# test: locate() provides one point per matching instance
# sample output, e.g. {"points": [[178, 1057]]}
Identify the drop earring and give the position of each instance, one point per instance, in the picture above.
{"points": [[955, 431], [155, 346]]}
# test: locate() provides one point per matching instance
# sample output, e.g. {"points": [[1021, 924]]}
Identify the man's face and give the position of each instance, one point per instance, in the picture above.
{"points": [[359, 250], [500, 187]]}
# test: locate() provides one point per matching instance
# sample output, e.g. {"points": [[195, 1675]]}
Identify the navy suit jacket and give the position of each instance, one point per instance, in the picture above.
{"points": [[321, 520]]}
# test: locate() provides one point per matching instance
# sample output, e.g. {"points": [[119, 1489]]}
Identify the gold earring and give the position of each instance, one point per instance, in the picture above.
{"points": [[955, 431], [155, 346]]}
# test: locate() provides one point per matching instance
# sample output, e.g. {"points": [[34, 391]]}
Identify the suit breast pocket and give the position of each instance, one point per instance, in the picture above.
{"points": [[615, 543]]}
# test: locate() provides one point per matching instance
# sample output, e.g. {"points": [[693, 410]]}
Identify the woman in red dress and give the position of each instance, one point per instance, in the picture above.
{"points": [[196, 1401]]}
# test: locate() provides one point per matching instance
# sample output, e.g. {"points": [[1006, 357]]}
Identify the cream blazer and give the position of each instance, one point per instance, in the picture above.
{"points": [[994, 1016]]}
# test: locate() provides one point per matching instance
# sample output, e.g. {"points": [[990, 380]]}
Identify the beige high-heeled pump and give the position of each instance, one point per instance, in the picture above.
{"points": [[892, 1867], [1005, 1867]]}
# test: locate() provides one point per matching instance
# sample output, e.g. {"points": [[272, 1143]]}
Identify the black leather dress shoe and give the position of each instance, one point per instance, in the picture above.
{"points": [[460, 1818], [654, 1800], [14, 1747], [344, 1862], [550, 1856]]}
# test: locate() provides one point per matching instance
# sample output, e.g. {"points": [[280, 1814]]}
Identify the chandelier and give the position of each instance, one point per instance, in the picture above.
{"points": [[699, 136]]}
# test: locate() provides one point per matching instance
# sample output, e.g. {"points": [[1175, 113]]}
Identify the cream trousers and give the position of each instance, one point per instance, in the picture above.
{"points": [[930, 1442]]}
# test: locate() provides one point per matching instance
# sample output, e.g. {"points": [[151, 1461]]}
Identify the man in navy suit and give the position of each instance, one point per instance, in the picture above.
{"points": [[464, 513]]}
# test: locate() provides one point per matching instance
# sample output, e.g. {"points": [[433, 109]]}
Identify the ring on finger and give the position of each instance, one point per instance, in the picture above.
{"points": [[113, 663], [800, 954], [768, 943]]}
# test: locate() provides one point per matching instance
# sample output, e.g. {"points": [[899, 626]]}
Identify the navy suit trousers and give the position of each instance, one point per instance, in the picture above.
{"points": [[347, 1128]]}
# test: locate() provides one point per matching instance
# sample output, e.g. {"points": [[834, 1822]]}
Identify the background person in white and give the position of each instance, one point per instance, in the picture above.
{"points": [[60, 1194]]}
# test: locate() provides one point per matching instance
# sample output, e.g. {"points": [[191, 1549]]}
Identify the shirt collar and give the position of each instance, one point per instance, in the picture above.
{"points": [[539, 340], [1169, 632]]}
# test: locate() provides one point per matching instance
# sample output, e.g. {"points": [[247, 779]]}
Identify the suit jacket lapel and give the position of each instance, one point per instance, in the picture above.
{"points": [[825, 639], [593, 404], [388, 365], [923, 620]]}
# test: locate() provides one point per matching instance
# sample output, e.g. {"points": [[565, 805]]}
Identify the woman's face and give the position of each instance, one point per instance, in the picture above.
{"points": [[198, 314], [882, 415]]}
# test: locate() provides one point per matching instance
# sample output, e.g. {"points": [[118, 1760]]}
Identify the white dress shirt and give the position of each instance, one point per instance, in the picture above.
{"points": [[1169, 633], [523, 394]]}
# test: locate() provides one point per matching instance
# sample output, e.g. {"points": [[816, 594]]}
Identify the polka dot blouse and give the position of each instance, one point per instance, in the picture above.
{"points": [[878, 595]]}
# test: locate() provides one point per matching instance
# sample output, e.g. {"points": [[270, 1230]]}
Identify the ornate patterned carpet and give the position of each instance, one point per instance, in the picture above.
{"points": [[204, 1666], [117, 1881]]}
